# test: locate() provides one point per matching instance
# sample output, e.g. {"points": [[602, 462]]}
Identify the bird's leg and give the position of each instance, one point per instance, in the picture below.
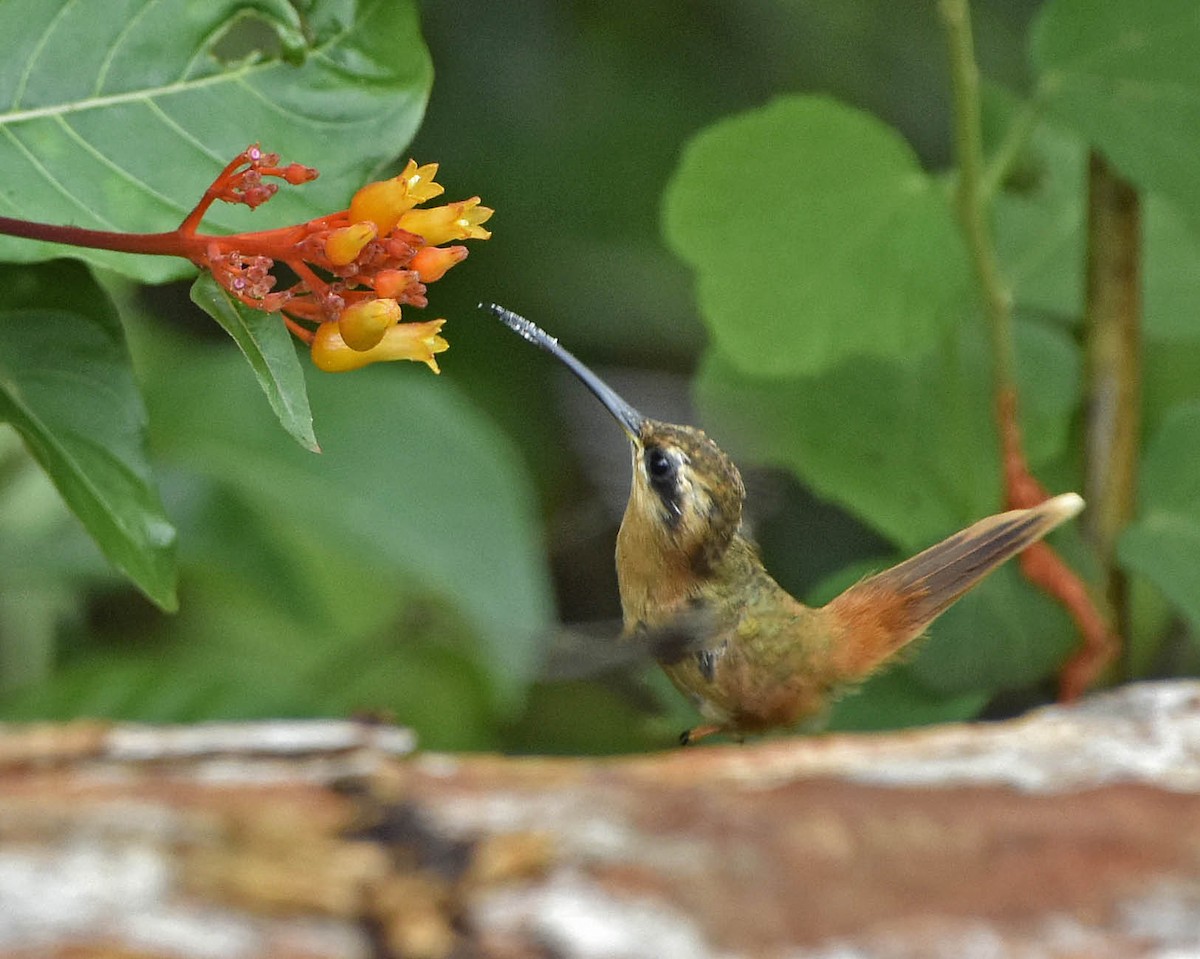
{"points": [[696, 733]]}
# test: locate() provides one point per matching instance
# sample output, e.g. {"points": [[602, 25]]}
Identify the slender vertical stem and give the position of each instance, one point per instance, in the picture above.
{"points": [[1113, 315], [974, 191], [1041, 565]]}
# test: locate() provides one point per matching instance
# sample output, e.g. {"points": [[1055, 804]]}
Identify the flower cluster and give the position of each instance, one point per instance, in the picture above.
{"points": [[354, 270]]}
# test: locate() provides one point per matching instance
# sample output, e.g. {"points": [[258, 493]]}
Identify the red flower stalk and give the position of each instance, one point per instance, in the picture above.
{"points": [[355, 269]]}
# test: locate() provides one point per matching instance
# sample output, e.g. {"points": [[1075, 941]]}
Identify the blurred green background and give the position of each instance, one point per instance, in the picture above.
{"points": [[299, 591]]}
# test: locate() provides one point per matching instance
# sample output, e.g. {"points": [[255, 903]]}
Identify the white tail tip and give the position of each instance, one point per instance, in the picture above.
{"points": [[1065, 505]]}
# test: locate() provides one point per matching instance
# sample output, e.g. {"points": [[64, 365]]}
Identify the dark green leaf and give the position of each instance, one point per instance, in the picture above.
{"points": [[1164, 548], [1041, 234], [1172, 274], [1169, 480], [118, 116], [1002, 634], [66, 385], [1164, 542], [815, 236], [412, 482], [1124, 76], [1049, 377], [909, 447], [895, 699], [268, 347], [1040, 218]]}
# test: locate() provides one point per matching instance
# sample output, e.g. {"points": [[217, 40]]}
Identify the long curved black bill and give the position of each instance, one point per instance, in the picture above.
{"points": [[629, 418]]}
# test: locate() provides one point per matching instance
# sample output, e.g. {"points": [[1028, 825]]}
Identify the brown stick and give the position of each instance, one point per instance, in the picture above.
{"points": [[1113, 315]]}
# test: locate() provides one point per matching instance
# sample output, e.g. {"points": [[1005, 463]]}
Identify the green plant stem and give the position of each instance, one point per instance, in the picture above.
{"points": [[974, 191], [1020, 129], [1113, 313]]}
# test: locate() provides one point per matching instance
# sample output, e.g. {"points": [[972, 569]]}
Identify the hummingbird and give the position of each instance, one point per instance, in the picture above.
{"points": [[749, 656]]}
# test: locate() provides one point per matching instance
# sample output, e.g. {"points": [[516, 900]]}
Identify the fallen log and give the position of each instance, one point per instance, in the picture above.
{"points": [[1074, 831]]}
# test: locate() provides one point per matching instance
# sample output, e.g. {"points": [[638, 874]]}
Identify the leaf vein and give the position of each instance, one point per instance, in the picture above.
{"points": [[23, 81], [54, 182], [132, 96], [121, 172]]}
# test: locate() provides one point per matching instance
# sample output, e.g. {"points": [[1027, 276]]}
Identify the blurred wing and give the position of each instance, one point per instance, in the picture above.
{"points": [[587, 650]]}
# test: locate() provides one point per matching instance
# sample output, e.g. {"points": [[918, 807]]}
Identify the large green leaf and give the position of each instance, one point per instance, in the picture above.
{"points": [[67, 386], [1164, 547], [1041, 224], [895, 698], [815, 236], [120, 114], [1163, 544], [1039, 219], [412, 481], [1000, 635], [268, 348], [1172, 274], [1126, 77], [907, 446]]}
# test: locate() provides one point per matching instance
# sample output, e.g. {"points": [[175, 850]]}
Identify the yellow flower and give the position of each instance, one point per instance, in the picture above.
{"points": [[401, 341], [454, 221], [419, 180], [363, 324], [342, 246], [385, 201]]}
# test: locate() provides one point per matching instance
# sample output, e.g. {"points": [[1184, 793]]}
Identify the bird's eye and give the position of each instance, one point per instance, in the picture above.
{"points": [[659, 465]]}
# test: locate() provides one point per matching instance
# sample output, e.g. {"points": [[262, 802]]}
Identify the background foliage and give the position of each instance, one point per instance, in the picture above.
{"points": [[757, 191]]}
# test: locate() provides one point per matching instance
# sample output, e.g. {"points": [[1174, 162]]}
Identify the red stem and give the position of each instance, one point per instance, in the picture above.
{"points": [[174, 243], [1044, 568], [191, 246]]}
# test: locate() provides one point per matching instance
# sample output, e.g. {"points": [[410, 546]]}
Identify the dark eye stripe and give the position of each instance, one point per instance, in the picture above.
{"points": [[662, 469]]}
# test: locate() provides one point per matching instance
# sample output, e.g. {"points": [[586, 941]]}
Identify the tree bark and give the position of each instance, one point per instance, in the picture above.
{"points": [[1074, 831]]}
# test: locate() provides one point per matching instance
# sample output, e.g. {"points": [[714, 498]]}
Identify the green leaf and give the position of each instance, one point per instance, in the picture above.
{"points": [[268, 348], [119, 119], [1163, 547], [67, 386], [895, 699], [815, 236], [1039, 219], [1049, 380], [1169, 480], [412, 481], [1125, 76], [1163, 544], [1041, 227], [1172, 274], [907, 446], [1002, 634]]}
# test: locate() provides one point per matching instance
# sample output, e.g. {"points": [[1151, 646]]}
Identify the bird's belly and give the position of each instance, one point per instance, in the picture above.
{"points": [[743, 695]]}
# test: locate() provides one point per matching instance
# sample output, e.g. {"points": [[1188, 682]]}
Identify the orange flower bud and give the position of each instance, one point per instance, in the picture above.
{"points": [[297, 173], [342, 246], [363, 324], [454, 221], [432, 262], [401, 341], [393, 283]]}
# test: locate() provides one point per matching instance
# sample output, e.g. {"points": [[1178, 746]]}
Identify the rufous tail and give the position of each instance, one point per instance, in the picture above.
{"points": [[877, 617]]}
